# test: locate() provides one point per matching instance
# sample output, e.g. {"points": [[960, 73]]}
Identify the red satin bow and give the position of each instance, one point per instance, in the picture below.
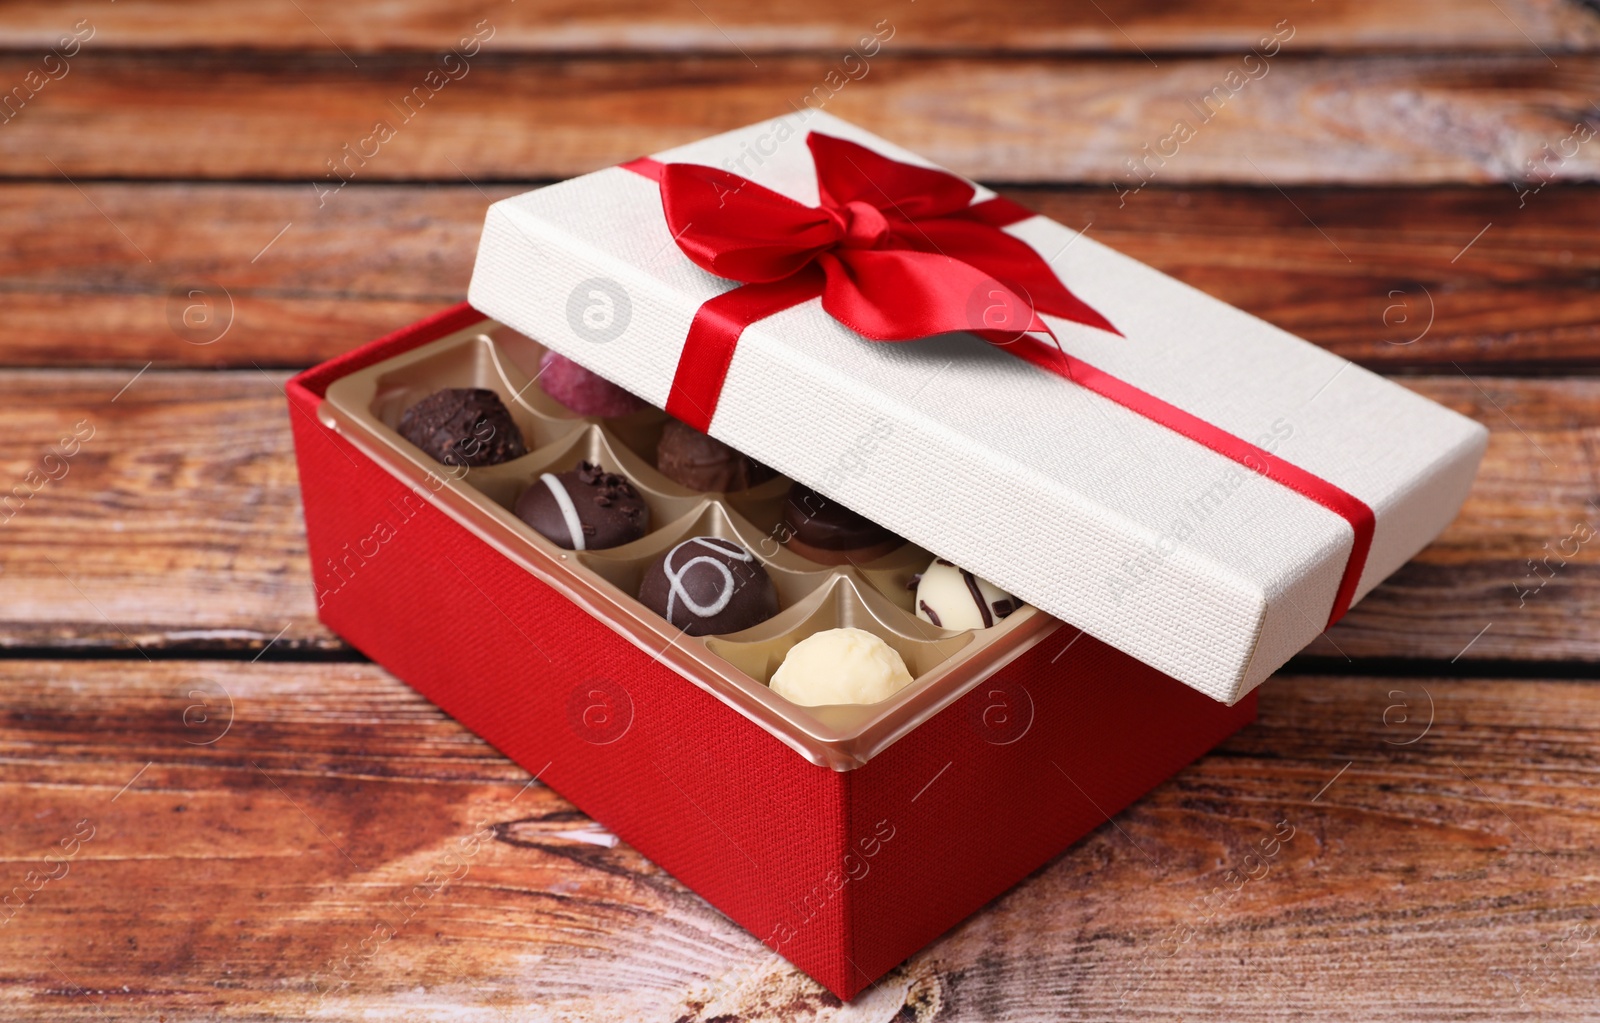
{"points": [[898, 252], [901, 251]]}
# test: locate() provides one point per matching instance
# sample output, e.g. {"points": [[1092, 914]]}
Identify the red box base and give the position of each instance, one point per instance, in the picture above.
{"points": [[845, 874]]}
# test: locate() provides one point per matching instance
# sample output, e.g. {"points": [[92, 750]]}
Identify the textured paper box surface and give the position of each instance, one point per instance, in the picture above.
{"points": [[1148, 541], [843, 873]]}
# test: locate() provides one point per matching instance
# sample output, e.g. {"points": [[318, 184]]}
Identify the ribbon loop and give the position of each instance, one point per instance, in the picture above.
{"points": [[899, 249]]}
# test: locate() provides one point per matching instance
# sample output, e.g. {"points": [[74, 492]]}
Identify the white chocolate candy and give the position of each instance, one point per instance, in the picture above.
{"points": [[953, 598], [840, 666]]}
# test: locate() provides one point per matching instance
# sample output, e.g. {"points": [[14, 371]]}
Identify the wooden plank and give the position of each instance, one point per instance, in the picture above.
{"points": [[1438, 873], [182, 488], [735, 26], [1519, 569], [1303, 120], [1392, 278], [177, 525], [224, 274], [305, 283]]}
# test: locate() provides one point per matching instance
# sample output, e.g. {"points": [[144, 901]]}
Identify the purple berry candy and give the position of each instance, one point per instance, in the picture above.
{"points": [[582, 391]]}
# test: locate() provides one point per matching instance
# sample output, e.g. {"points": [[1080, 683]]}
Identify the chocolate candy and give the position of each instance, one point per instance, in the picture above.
{"points": [[463, 426], [827, 532], [584, 509], [954, 598], [585, 393], [840, 666], [709, 586], [703, 463]]}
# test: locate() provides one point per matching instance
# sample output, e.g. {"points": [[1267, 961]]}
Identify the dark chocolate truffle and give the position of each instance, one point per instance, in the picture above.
{"points": [[827, 532], [704, 463], [709, 586], [584, 509], [463, 426]]}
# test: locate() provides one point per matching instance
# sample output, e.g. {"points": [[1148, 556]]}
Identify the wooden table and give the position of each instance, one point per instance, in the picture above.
{"points": [[234, 795]]}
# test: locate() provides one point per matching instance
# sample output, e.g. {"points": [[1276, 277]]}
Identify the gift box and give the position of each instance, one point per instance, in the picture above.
{"points": [[1178, 495]]}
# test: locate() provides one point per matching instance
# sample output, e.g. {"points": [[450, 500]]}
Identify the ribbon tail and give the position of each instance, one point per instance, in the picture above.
{"points": [[1342, 503], [1070, 307], [1007, 259], [714, 334], [646, 167]]}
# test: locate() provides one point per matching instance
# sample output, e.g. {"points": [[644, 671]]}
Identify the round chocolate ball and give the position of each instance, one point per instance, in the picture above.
{"points": [[463, 426], [709, 586], [704, 463], [840, 666], [953, 598], [826, 531], [584, 509]]}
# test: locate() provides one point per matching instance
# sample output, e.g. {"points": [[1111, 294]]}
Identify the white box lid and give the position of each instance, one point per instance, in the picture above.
{"points": [[1145, 539]]}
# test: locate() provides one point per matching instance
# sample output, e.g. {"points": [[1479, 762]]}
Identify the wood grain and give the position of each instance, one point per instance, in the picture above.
{"points": [[185, 491], [302, 284], [236, 275], [1376, 275], [177, 526], [251, 821], [236, 859], [1307, 119], [734, 26], [1495, 585]]}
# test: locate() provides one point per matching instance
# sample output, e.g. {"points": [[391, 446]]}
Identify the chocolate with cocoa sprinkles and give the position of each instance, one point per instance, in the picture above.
{"points": [[584, 509], [463, 426]]}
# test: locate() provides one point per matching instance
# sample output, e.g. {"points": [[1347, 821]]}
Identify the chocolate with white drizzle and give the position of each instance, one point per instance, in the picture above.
{"points": [[584, 509], [953, 598], [709, 586]]}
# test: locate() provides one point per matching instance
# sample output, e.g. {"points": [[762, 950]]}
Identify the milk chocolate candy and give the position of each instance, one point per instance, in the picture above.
{"points": [[687, 456]]}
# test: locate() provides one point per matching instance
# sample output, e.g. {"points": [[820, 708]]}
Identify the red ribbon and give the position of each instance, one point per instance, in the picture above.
{"points": [[898, 252]]}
